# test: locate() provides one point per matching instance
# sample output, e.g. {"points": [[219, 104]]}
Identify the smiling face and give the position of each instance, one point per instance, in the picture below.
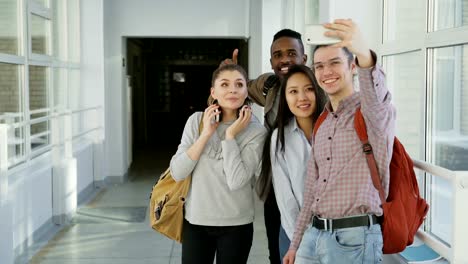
{"points": [[333, 71], [300, 96], [285, 52], [230, 89]]}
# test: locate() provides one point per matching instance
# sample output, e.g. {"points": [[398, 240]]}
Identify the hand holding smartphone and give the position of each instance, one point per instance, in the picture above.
{"points": [[314, 35], [218, 117]]}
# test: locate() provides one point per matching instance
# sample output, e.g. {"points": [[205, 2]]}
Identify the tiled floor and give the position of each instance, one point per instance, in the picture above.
{"points": [[113, 227]]}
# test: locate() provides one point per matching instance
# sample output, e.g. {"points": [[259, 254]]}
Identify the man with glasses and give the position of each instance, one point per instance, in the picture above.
{"points": [[340, 201]]}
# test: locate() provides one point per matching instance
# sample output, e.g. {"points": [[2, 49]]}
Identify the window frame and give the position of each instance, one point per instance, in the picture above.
{"points": [[427, 42]]}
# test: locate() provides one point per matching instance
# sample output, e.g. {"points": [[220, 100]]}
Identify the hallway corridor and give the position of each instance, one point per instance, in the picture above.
{"points": [[113, 227]]}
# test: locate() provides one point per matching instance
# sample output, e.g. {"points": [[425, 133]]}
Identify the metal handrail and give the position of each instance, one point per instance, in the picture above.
{"points": [[434, 170], [52, 115], [459, 184]]}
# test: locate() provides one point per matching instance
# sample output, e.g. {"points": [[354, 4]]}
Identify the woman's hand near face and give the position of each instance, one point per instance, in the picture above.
{"points": [[241, 122], [209, 127]]}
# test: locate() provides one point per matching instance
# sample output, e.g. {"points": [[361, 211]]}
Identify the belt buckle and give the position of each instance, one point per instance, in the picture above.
{"points": [[328, 226]]}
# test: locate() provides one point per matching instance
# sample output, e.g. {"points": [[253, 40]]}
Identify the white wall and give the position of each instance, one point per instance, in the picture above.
{"points": [[92, 74], [85, 170], [30, 193], [271, 23], [31, 196], [155, 18], [366, 13]]}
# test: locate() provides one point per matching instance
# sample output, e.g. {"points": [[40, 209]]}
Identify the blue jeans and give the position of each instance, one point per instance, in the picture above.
{"points": [[284, 243], [348, 245]]}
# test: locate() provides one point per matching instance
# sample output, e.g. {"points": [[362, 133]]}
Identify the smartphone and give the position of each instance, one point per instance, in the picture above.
{"points": [[246, 102], [219, 116], [314, 35]]}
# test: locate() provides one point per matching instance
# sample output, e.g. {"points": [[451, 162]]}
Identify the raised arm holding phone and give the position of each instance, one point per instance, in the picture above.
{"points": [[341, 205]]}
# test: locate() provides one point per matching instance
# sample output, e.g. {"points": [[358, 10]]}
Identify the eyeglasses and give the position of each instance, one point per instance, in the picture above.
{"points": [[332, 64]]}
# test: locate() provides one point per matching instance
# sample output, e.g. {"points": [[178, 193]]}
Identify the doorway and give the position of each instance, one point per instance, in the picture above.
{"points": [[170, 79]]}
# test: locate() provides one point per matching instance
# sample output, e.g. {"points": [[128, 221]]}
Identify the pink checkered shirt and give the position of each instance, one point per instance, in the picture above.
{"points": [[338, 182]]}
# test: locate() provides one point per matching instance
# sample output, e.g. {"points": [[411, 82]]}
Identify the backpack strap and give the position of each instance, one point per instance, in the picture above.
{"points": [[360, 127], [319, 121]]}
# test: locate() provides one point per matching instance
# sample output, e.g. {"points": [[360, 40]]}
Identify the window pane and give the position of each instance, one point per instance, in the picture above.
{"points": [[403, 19], [60, 88], [44, 3], [11, 107], [40, 36], [75, 100], [73, 30], [10, 90], [441, 211], [405, 78], [450, 89], [9, 26], [38, 83], [38, 99], [450, 14], [60, 30], [39, 133]]}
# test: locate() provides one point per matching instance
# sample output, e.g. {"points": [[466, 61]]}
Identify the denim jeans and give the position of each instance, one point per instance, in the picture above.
{"points": [[348, 245], [284, 243]]}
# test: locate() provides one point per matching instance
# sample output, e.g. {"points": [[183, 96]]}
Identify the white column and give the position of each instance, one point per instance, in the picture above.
{"points": [[98, 148], [460, 218], [326, 11], [6, 211], [64, 180], [3, 163]]}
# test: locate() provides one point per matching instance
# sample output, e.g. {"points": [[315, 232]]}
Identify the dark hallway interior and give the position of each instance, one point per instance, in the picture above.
{"points": [[170, 78]]}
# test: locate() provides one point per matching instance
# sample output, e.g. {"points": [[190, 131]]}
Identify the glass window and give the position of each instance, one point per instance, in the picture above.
{"points": [[403, 19], [449, 139], [405, 78], [40, 35], [38, 100], [450, 94], [441, 211], [11, 107], [73, 30], [9, 26], [450, 14], [60, 88], [38, 83], [75, 99], [60, 30], [10, 90]]}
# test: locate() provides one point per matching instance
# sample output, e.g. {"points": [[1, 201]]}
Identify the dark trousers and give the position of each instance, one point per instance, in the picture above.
{"points": [[272, 224], [230, 244]]}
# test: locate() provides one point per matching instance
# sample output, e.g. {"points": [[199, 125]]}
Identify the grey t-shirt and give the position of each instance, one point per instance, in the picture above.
{"points": [[221, 193]]}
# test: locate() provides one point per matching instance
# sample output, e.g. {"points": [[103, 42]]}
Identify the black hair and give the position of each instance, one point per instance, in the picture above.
{"points": [[284, 113], [349, 55], [283, 118], [289, 33]]}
